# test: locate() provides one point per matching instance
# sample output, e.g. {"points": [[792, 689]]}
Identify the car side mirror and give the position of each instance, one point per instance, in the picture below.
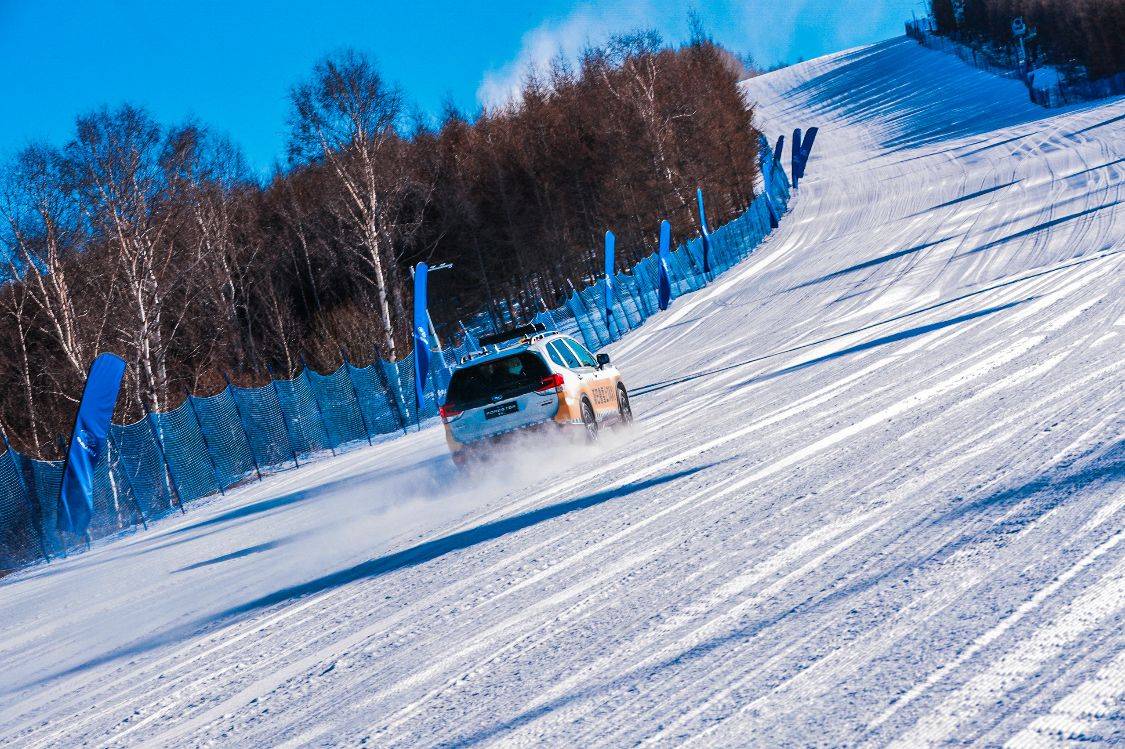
{"points": [[603, 360]]}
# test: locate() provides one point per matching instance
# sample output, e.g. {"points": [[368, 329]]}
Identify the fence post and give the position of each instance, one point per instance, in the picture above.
{"points": [[621, 311], [27, 494], [284, 416], [610, 323], [636, 302], [61, 443], [621, 291], [433, 390], [639, 287], [748, 224], [206, 443], [128, 481], [694, 270], [745, 225], [736, 235], [419, 398], [591, 317], [355, 394], [391, 398], [319, 410], [640, 284], [164, 457], [242, 422], [608, 332]]}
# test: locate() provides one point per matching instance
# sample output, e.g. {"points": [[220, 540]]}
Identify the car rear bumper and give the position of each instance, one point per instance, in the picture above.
{"points": [[465, 451]]}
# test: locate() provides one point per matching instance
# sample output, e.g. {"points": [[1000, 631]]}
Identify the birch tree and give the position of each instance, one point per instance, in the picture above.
{"points": [[638, 86], [347, 116], [43, 233], [123, 166], [14, 304]]}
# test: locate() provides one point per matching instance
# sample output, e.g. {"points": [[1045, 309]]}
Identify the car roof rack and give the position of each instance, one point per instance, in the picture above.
{"points": [[521, 331]]}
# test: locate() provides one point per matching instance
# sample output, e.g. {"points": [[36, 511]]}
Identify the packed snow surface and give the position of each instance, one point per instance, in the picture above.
{"points": [[874, 495]]}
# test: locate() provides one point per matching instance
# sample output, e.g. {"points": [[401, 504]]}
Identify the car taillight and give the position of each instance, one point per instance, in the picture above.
{"points": [[448, 412], [550, 382]]}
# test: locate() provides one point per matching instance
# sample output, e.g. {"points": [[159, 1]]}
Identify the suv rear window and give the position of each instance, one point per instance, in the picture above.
{"points": [[508, 377]]}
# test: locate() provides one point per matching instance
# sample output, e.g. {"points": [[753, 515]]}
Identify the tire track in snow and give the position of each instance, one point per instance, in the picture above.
{"points": [[841, 662], [753, 675], [996, 632], [1099, 601], [1079, 715]]}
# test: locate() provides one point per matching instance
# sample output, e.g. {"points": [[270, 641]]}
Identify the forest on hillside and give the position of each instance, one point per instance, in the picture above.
{"points": [[1068, 33], [155, 242]]}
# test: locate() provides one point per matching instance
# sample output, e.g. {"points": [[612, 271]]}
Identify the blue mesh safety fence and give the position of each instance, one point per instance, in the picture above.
{"points": [[584, 321], [308, 432], [343, 421], [399, 383], [43, 478], [375, 402], [208, 444], [21, 539], [264, 424], [400, 379], [190, 462], [143, 469], [226, 439], [114, 505]]}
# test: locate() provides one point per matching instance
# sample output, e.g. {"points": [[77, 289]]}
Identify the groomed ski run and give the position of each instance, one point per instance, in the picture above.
{"points": [[874, 495]]}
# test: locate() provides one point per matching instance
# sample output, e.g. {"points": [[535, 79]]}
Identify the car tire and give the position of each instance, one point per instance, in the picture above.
{"points": [[589, 421], [624, 408], [461, 460]]}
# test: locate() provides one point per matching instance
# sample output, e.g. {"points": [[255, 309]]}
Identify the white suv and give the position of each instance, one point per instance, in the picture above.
{"points": [[530, 379]]}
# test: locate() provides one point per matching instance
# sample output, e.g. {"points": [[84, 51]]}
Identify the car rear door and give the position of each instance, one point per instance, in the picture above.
{"points": [[599, 383]]}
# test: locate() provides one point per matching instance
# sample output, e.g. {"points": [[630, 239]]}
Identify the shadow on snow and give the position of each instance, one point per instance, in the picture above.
{"points": [[410, 557], [1040, 495]]}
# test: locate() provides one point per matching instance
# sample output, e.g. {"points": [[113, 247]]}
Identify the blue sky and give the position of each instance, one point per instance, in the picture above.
{"points": [[231, 64]]}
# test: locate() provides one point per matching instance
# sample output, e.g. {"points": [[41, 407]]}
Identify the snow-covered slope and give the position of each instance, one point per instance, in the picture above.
{"points": [[875, 494]]}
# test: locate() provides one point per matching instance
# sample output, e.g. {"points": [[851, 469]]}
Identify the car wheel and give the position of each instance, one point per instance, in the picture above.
{"points": [[624, 410], [589, 421], [461, 460]]}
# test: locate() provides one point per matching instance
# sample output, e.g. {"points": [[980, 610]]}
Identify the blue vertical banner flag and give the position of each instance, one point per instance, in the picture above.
{"points": [[774, 223], [704, 231], [795, 157], [664, 256], [769, 161], [421, 336], [805, 151], [778, 150], [610, 244], [87, 442]]}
